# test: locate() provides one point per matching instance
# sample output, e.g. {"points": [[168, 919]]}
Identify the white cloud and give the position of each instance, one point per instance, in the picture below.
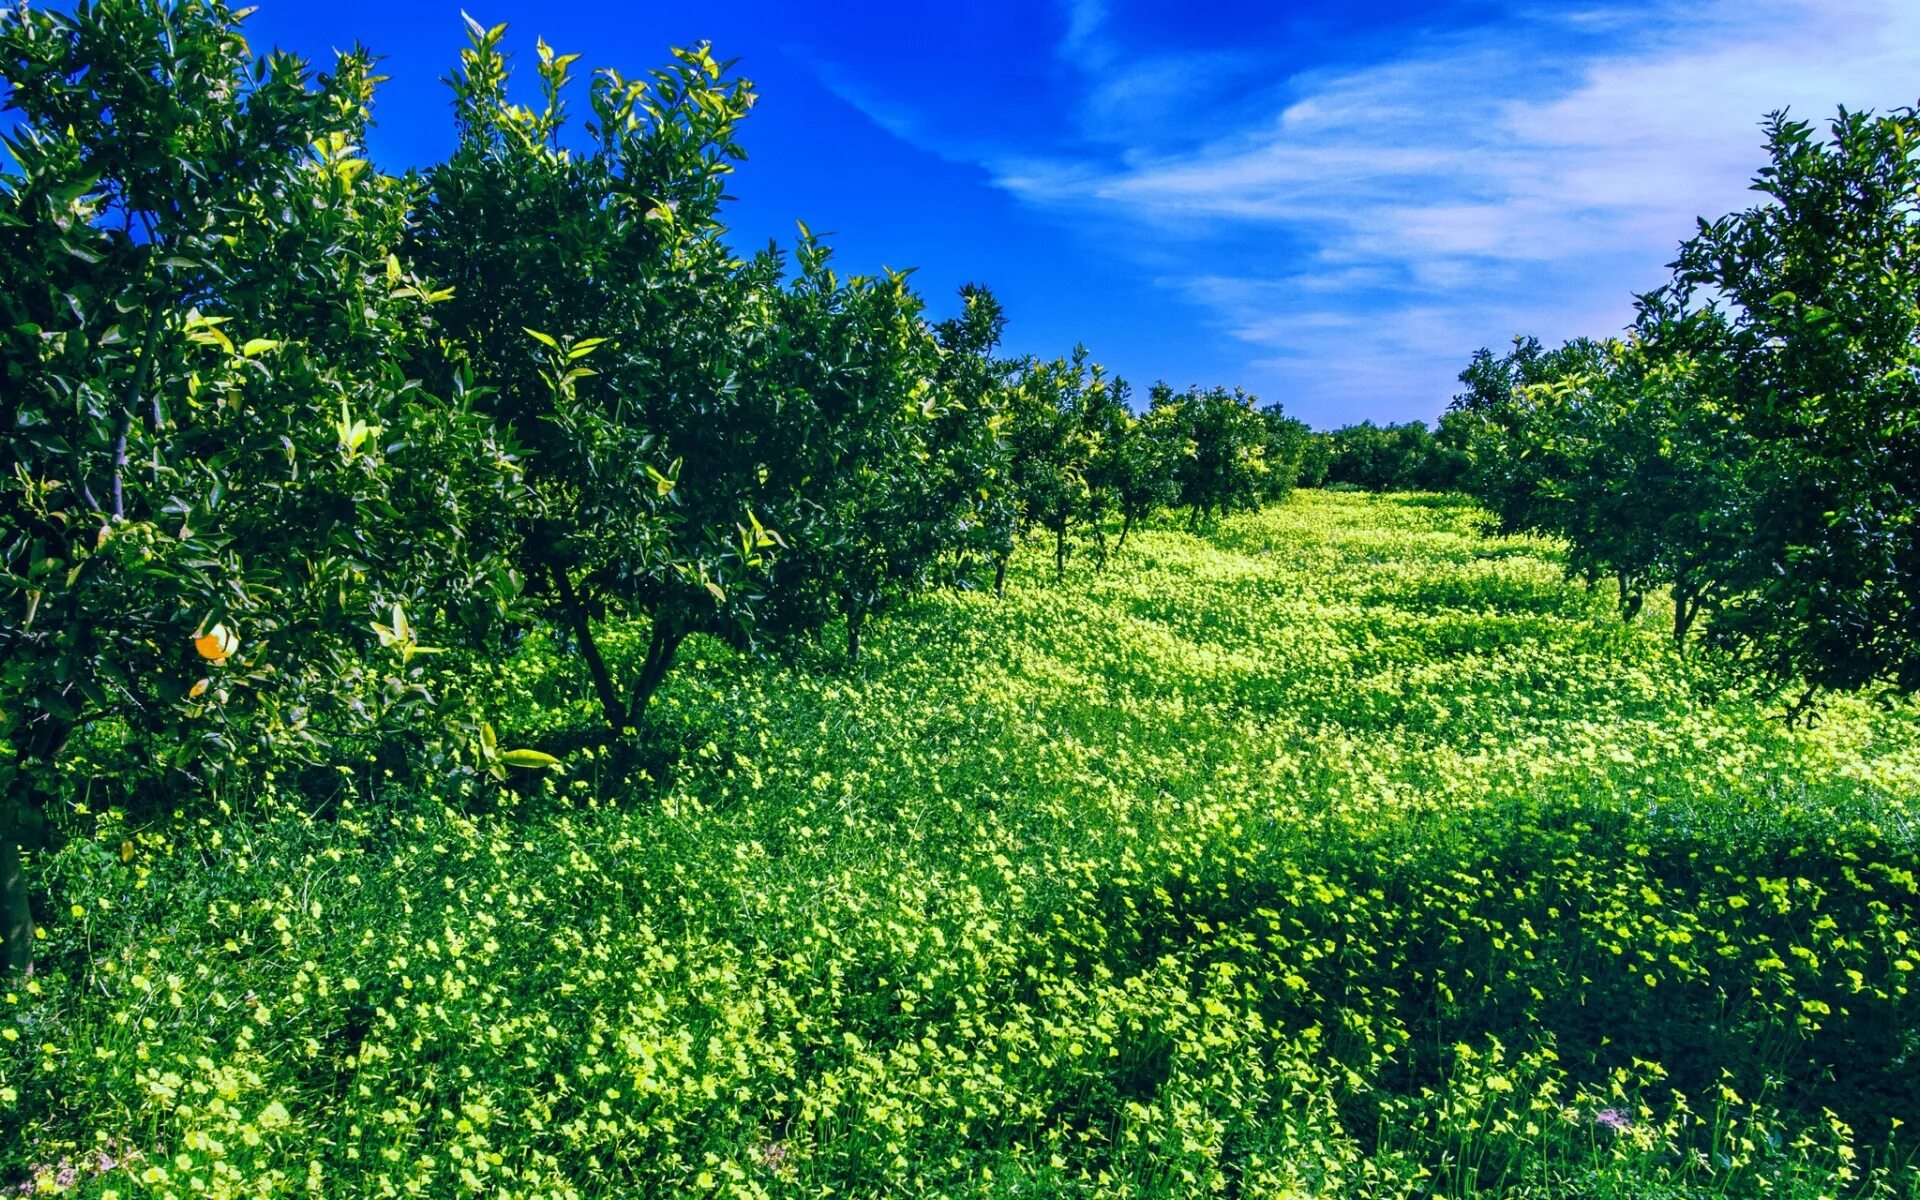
{"points": [[1516, 179], [1083, 41], [1361, 229]]}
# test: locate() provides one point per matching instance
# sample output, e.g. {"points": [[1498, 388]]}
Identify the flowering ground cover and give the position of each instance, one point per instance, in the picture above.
{"points": [[1338, 850]]}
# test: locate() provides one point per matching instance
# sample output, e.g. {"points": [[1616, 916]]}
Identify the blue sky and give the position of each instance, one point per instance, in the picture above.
{"points": [[1329, 203]]}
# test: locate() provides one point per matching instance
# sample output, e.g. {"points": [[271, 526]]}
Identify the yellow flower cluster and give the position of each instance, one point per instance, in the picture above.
{"points": [[1338, 852]]}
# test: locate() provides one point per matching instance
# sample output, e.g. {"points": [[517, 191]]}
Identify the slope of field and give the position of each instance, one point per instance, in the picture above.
{"points": [[1337, 852]]}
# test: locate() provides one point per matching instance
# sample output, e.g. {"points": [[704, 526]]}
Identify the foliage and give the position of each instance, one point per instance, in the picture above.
{"points": [[558, 251], [971, 465], [1813, 294], [1146, 464], [1316, 459], [1382, 458], [862, 508], [1507, 424], [212, 476], [1752, 445], [1343, 852], [1223, 466], [1285, 454], [1062, 420], [1555, 443]]}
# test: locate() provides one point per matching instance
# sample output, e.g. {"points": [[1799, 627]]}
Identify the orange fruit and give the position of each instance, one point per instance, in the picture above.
{"points": [[216, 644]]}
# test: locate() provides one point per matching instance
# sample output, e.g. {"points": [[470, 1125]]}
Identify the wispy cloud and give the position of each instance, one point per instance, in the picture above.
{"points": [[1360, 228], [1083, 43]]}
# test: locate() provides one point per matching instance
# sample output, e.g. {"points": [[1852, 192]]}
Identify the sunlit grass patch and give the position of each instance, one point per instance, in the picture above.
{"points": [[1253, 864]]}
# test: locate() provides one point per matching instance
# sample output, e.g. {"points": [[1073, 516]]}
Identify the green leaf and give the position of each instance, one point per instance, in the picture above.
{"points": [[531, 760]]}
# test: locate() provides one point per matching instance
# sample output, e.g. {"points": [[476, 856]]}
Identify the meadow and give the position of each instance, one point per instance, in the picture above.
{"points": [[1335, 850]]}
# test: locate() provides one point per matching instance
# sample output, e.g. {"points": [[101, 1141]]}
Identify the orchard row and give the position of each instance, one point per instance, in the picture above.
{"points": [[278, 428], [1752, 446]]}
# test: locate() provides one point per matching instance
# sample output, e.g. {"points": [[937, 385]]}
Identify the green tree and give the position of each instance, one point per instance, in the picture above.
{"points": [[1286, 450], [1381, 458], [1618, 449], [1681, 459], [1147, 463], [1448, 459], [591, 289], [1316, 458], [1107, 421], [972, 467], [1223, 462], [213, 479], [1820, 375], [863, 507], [1507, 425], [1059, 416]]}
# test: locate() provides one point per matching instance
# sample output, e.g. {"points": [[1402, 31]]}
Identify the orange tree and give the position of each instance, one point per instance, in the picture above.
{"points": [[1223, 442], [1059, 421], [1146, 460], [1753, 445], [1512, 422], [212, 479], [865, 511], [1285, 452], [591, 290], [971, 466], [712, 444], [1107, 418], [1812, 355]]}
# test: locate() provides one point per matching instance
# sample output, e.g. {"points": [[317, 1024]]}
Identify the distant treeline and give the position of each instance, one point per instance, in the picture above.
{"points": [[1404, 457]]}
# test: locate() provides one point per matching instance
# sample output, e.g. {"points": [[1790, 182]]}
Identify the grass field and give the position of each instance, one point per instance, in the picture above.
{"points": [[1339, 851]]}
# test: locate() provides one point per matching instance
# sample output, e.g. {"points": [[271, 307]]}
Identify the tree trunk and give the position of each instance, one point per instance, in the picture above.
{"points": [[661, 648], [855, 620], [16, 915], [1126, 525], [590, 650], [1059, 554], [122, 427], [23, 814], [1802, 709], [1631, 598], [1000, 577], [1684, 607]]}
